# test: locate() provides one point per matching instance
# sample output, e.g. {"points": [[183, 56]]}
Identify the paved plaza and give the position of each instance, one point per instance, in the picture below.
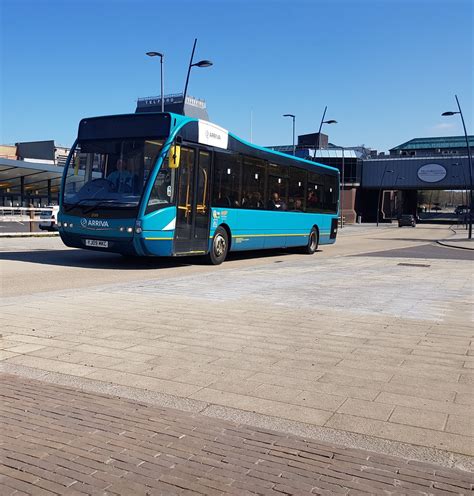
{"points": [[62, 441], [365, 345]]}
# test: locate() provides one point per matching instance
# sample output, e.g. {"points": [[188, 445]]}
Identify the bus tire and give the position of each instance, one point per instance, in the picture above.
{"points": [[219, 247], [313, 241]]}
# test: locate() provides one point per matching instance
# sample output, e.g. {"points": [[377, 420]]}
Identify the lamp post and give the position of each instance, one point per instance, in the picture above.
{"points": [[162, 56], [380, 192], [342, 189], [330, 121], [293, 117], [201, 63], [469, 159]]}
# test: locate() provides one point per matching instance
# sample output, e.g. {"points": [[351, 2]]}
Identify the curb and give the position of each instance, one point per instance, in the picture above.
{"points": [[446, 242], [28, 235], [443, 243]]}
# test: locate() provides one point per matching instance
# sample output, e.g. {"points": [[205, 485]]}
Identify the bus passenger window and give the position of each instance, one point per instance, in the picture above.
{"points": [[253, 183], [277, 187], [226, 183], [330, 194], [315, 193], [297, 190]]}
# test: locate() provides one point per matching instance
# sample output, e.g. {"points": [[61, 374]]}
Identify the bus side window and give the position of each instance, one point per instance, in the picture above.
{"points": [[297, 190], [277, 187], [253, 183], [330, 193], [226, 180], [315, 193], [162, 193]]}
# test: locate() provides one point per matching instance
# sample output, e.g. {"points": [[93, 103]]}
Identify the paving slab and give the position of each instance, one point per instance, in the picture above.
{"points": [[60, 440], [353, 347]]}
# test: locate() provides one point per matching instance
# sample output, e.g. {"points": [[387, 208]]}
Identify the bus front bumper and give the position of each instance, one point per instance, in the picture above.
{"points": [[122, 245]]}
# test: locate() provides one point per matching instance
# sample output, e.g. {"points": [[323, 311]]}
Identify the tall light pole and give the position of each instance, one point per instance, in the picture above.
{"points": [[469, 159], [330, 121], [201, 63], [162, 56], [380, 192], [293, 117], [342, 189]]}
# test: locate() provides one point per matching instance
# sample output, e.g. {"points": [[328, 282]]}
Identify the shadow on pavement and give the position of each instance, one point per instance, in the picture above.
{"points": [[91, 260], [112, 261], [423, 251]]}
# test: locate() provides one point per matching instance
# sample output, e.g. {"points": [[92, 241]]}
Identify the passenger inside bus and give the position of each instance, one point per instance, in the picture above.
{"points": [[276, 203], [312, 200], [298, 206], [253, 200]]}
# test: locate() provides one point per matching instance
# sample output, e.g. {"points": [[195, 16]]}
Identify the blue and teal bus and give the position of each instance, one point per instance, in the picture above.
{"points": [[161, 184]]}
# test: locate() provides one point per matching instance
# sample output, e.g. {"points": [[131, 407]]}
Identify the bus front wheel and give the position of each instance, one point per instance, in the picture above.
{"points": [[219, 247], [313, 242]]}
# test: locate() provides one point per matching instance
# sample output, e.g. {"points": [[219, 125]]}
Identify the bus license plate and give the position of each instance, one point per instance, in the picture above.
{"points": [[97, 243]]}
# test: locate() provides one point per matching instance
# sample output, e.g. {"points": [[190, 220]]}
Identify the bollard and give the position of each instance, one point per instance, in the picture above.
{"points": [[32, 216]]}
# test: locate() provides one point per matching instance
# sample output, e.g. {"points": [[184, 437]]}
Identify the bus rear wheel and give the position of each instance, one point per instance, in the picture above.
{"points": [[313, 242], [219, 247]]}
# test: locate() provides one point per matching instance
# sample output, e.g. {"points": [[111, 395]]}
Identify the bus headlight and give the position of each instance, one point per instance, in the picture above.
{"points": [[121, 229], [129, 229], [138, 226], [65, 224]]}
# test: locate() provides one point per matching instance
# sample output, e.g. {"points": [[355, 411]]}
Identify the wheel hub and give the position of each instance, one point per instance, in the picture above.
{"points": [[219, 245]]}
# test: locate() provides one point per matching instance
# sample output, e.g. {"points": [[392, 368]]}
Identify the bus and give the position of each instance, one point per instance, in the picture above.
{"points": [[162, 184]]}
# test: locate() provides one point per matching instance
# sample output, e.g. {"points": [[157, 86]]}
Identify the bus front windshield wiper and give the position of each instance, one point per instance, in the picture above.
{"points": [[107, 202], [68, 207]]}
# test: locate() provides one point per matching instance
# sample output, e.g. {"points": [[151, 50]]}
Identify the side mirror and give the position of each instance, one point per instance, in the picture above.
{"points": [[174, 156]]}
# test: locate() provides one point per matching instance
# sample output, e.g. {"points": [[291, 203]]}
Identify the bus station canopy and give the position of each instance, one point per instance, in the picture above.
{"points": [[35, 176]]}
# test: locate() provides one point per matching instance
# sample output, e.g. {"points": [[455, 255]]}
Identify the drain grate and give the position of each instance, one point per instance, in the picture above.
{"points": [[414, 265]]}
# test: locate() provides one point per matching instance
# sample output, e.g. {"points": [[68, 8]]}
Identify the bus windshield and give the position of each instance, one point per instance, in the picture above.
{"points": [[110, 172]]}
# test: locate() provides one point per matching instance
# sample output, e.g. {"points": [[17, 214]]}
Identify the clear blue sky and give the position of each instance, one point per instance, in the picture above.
{"points": [[386, 69]]}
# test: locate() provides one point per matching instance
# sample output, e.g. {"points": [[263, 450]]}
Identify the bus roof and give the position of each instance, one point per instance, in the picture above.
{"points": [[177, 121]]}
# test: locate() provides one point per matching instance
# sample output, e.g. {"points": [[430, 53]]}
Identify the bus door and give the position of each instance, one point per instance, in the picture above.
{"points": [[193, 212]]}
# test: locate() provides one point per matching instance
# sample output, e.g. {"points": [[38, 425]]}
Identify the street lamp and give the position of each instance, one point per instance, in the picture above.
{"points": [[201, 63], [293, 117], [380, 191], [341, 193], [469, 159], [162, 56], [330, 121]]}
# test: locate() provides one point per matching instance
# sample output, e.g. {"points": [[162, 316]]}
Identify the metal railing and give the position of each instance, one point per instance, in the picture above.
{"points": [[22, 214]]}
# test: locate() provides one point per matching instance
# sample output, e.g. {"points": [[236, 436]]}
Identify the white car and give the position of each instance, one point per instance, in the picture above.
{"points": [[49, 218]]}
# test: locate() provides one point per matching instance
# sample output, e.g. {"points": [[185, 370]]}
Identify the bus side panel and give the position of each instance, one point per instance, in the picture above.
{"points": [[244, 227], [157, 236], [281, 229], [324, 224]]}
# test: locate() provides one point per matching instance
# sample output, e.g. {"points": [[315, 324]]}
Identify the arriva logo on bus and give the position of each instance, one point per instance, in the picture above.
{"points": [[94, 224]]}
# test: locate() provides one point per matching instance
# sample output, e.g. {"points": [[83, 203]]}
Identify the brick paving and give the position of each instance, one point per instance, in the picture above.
{"points": [[58, 440]]}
